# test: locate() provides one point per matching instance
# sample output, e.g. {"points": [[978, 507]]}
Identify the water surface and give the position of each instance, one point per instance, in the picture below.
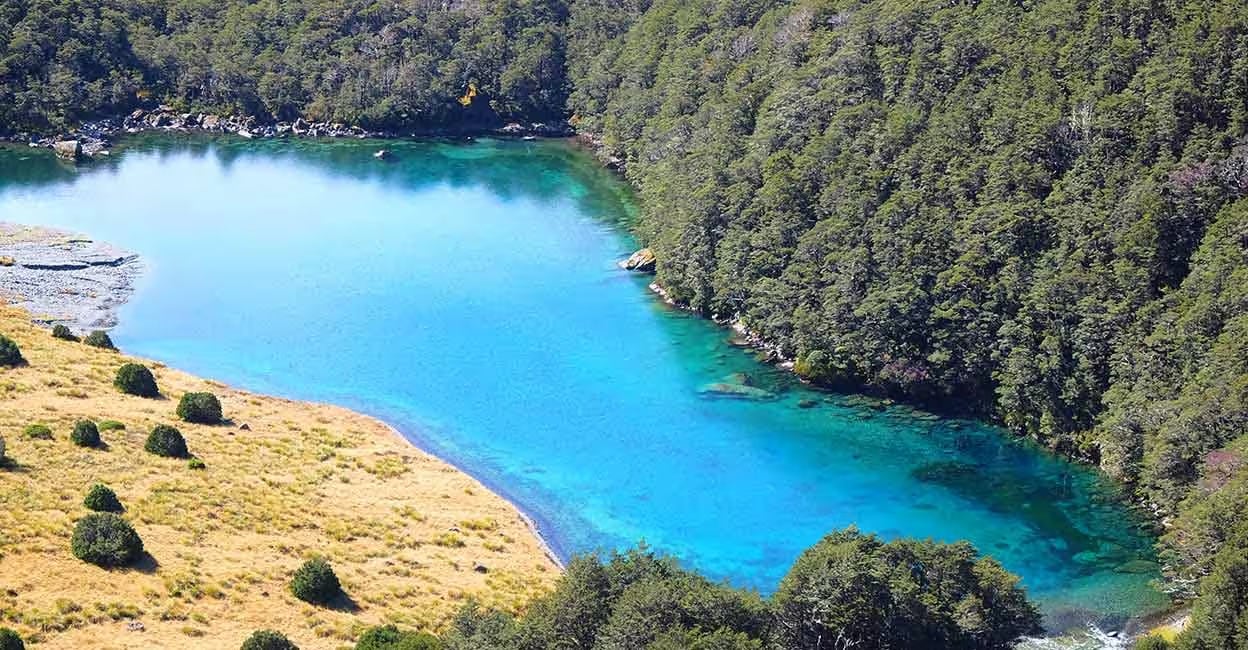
{"points": [[468, 294]]}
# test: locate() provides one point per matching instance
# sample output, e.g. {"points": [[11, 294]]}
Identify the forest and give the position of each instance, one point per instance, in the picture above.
{"points": [[1030, 211]]}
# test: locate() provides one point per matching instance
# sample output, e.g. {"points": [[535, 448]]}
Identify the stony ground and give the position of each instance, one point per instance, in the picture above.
{"points": [[64, 278], [410, 536]]}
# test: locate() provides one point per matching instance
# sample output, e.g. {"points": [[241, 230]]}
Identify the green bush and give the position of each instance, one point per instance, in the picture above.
{"points": [[166, 441], [63, 333], [268, 640], [9, 640], [99, 339], [196, 463], [101, 498], [389, 637], [203, 408], [10, 355], [109, 425], [1151, 642], [135, 379], [37, 432], [106, 540], [316, 583], [85, 434]]}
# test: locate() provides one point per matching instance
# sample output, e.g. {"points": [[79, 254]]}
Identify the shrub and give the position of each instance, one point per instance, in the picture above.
{"points": [[85, 434], [135, 379], [203, 408], [101, 498], [10, 355], [109, 425], [9, 640], [1151, 642], [37, 432], [99, 339], [268, 640], [316, 583], [196, 463], [389, 637], [166, 441], [61, 332], [106, 540]]}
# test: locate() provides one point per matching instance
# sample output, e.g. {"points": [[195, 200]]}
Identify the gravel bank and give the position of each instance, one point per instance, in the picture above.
{"points": [[65, 278]]}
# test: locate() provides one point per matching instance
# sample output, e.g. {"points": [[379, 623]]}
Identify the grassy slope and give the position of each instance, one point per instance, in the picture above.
{"points": [[305, 479]]}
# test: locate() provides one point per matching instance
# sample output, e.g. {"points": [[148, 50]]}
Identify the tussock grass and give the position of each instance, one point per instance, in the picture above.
{"points": [[305, 480]]}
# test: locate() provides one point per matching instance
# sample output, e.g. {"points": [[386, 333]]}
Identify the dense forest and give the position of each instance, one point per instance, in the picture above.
{"points": [[850, 590], [1030, 210], [375, 64]]}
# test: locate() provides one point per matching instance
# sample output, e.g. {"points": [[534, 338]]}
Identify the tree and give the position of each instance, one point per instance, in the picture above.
{"points": [[101, 498], [268, 640], [136, 379], [106, 540], [85, 434], [10, 355], [389, 637], [853, 590], [315, 583], [203, 408], [166, 441]]}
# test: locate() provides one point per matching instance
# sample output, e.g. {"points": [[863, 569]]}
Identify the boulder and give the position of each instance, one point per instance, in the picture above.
{"points": [[210, 121], [643, 261], [68, 149], [300, 127], [383, 154], [160, 119]]}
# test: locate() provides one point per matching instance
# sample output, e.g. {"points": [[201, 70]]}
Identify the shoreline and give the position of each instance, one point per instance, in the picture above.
{"points": [[92, 139], [57, 257], [528, 519]]}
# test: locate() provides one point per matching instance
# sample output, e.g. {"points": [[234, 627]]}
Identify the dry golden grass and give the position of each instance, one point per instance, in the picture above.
{"points": [[402, 529]]}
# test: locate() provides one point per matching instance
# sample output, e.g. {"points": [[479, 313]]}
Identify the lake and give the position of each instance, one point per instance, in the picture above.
{"points": [[469, 295]]}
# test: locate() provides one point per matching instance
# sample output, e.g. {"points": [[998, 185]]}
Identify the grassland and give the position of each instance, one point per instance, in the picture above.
{"points": [[410, 536]]}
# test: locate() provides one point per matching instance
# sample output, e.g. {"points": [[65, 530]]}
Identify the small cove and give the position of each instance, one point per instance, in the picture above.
{"points": [[468, 295]]}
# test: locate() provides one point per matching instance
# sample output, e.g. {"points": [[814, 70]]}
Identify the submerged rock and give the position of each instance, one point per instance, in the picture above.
{"points": [[642, 261], [383, 154], [736, 391]]}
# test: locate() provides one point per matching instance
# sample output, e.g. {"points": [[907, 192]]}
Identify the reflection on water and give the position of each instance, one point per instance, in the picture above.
{"points": [[468, 294]]}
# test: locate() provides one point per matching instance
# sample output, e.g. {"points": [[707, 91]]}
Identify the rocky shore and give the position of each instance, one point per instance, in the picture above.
{"points": [[94, 139], [63, 278]]}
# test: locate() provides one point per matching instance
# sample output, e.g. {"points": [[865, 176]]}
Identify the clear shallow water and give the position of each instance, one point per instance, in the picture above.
{"points": [[468, 294]]}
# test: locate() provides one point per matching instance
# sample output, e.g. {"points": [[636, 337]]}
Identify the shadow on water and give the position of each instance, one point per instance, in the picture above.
{"points": [[424, 164]]}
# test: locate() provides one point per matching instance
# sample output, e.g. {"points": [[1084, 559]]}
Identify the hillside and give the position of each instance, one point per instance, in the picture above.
{"points": [[403, 530], [1033, 212]]}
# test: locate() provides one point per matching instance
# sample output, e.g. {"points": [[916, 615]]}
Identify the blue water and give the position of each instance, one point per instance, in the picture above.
{"points": [[468, 294]]}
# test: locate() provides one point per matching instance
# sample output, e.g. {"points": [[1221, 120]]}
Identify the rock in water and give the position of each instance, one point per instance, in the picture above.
{"points": [[736, 391], [643, 261], [68, 149], [382, 154]]}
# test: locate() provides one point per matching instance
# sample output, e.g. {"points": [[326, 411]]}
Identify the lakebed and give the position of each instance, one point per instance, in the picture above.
{"points": [[468, 294]]}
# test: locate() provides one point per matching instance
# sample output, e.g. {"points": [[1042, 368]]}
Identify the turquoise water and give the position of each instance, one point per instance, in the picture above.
{"points": [[468, 294]]}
